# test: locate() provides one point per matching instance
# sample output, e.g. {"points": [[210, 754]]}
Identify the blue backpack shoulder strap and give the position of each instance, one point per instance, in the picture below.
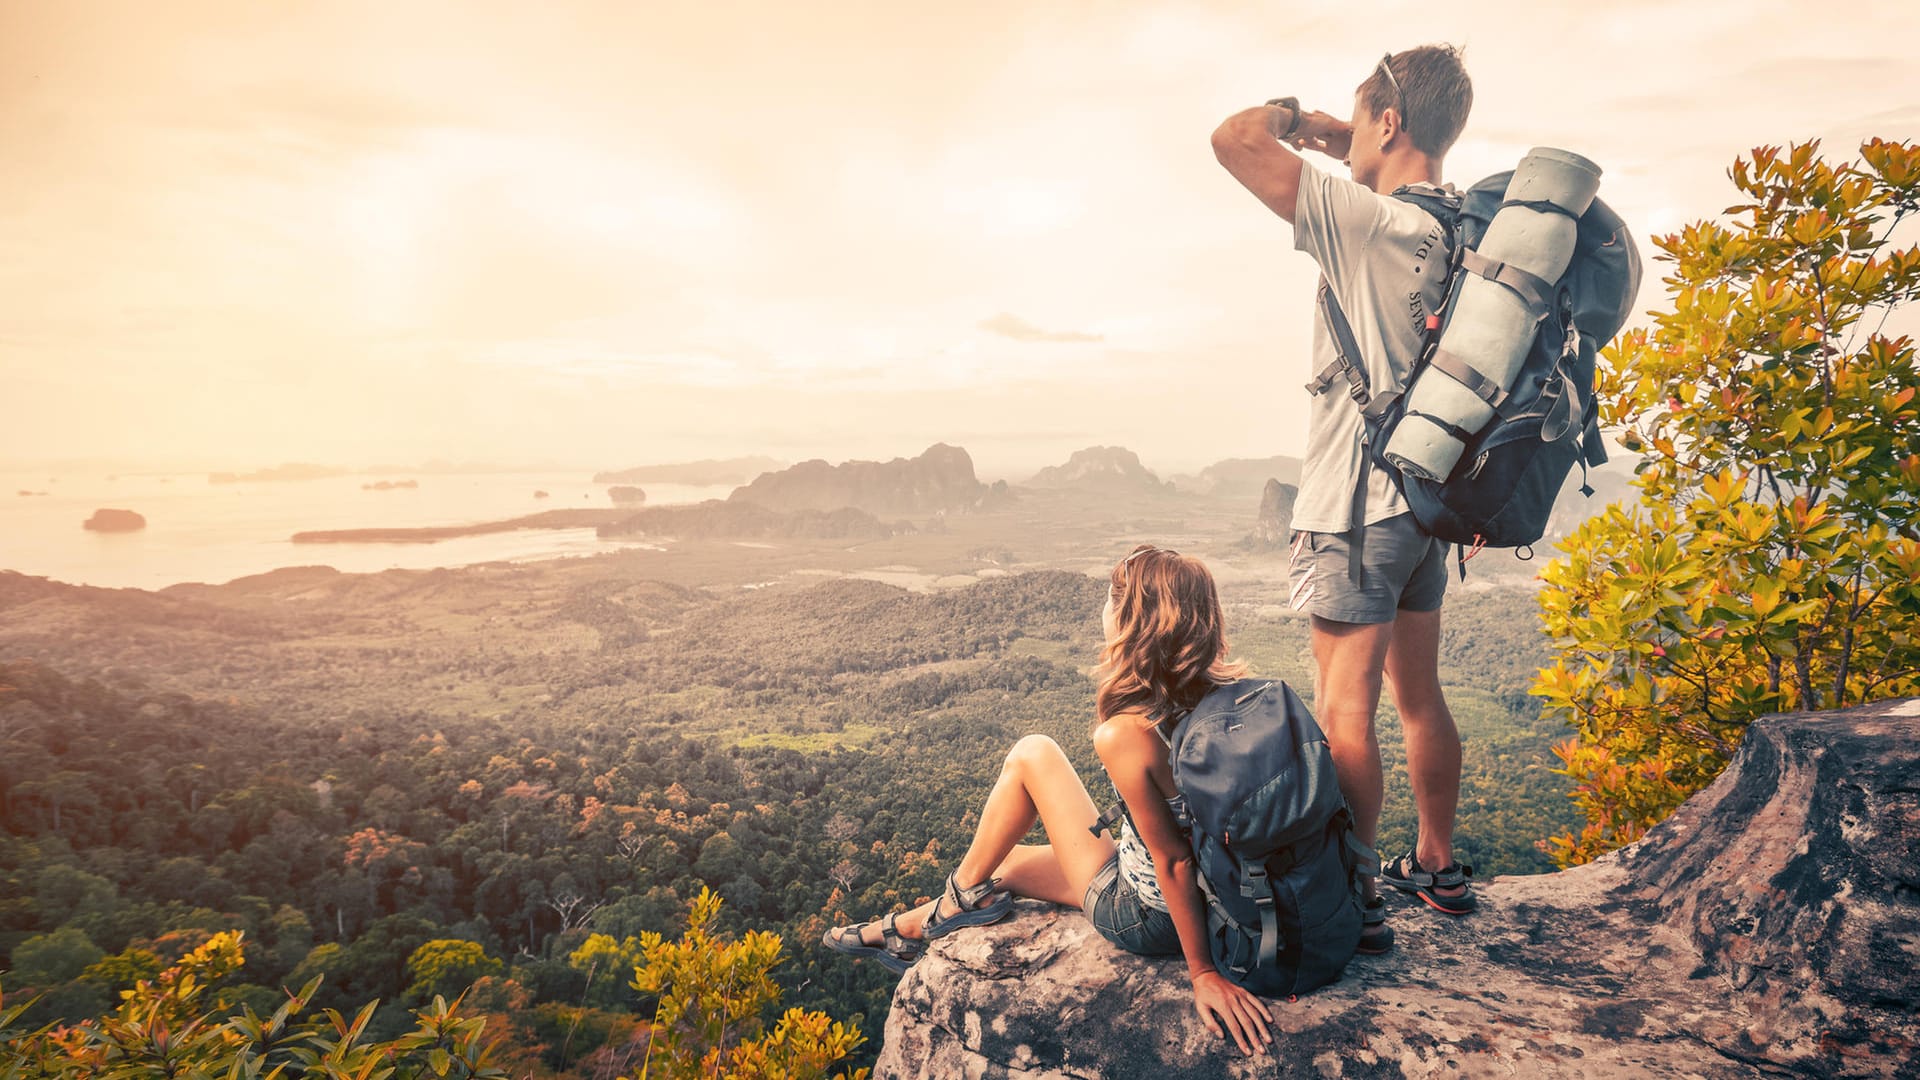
{"points": [[1443, 204]]}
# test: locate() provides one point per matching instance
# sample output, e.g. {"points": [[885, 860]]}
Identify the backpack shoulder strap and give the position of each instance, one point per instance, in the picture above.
{"points": [[1443, 204], [1346, 353]]}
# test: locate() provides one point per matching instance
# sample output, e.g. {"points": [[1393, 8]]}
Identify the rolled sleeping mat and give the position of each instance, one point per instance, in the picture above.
{"points": [[1506, 288]]}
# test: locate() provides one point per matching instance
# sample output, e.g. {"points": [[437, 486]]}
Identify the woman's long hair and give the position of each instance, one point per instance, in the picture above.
{"points": [[1169, 645]]}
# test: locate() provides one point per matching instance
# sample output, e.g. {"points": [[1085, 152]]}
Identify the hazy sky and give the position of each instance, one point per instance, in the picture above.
{"points": [[613, 233]]}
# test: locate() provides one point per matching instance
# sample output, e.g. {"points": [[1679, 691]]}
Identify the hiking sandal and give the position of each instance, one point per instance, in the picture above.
{"points": [[1405, 874], [968, 912], [1376, 937], [895, 952]]}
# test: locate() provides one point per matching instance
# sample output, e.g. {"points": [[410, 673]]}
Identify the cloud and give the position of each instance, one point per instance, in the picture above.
{"points": [[1013, 326]]}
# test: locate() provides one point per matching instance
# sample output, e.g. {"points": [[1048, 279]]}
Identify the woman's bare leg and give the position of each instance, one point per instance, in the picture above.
{"points": [[1037, 783], [1033, 870]]}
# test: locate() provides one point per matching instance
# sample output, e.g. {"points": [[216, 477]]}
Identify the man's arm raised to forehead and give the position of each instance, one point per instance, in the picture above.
{"points": [[1249, 145]]}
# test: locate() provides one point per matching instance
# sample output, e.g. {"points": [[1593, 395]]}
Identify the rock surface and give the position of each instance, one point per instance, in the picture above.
{"points": [[938, 481], [114, 521], [1274, 527], [1770, 927]]}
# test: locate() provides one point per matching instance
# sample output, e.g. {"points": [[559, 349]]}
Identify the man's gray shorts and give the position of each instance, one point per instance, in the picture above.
{"points": [[1401, 569]]}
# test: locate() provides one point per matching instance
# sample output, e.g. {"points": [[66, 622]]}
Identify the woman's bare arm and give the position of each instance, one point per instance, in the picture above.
{"points": [[1130, 752]]}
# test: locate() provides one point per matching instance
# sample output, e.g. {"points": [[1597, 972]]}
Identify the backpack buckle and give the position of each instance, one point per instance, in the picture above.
{"points": [[1254, 885], [1357, 386]]}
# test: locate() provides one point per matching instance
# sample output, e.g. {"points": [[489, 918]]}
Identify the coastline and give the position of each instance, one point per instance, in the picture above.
{"points": [[433, 534]]}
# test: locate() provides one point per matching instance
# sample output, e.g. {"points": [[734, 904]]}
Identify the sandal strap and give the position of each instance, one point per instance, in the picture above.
{"points": [[969, 898], [1407, 869], [1373, 913], [892, 940]]}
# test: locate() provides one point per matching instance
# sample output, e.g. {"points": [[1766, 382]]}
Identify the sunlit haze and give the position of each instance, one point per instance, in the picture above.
{"points": [[605, 234]]}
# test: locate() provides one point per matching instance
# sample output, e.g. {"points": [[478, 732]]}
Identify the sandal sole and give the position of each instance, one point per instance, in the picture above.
{"points": [[1438, 903], [1435, 904], [1378, 948]]}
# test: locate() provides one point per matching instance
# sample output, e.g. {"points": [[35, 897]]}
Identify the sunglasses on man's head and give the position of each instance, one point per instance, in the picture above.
{"points": [[1399, 96]]}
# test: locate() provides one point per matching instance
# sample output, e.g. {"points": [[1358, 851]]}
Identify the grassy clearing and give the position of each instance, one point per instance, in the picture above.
{"points": [[853, 736]]}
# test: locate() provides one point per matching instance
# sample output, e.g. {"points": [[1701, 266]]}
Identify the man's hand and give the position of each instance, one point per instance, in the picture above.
{"points": [[1323, 132]]}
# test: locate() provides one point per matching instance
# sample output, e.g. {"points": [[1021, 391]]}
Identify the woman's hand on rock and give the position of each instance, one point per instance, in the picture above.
{"points": [[1222, 1004]]}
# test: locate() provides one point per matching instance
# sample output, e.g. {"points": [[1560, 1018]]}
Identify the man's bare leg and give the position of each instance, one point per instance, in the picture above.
{"points": [[1351, 657], [1433, 743]]}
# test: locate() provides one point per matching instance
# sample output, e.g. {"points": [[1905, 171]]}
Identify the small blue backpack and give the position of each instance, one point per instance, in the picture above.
{"points": [[1272, 838]]}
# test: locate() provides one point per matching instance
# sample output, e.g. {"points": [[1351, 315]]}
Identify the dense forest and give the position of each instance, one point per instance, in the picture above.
{"points": [[542, 765]]}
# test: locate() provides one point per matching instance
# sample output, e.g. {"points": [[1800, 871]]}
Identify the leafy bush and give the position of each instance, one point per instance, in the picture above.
{"points": [[1771, 561], [162, 1028], [713, 992]]}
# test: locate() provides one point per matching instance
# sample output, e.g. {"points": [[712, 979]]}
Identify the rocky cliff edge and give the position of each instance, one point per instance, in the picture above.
{"points": [[1770, 927]]}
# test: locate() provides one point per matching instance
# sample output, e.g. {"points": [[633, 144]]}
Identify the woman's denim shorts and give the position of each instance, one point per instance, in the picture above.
{"points": [[1121, 918]]}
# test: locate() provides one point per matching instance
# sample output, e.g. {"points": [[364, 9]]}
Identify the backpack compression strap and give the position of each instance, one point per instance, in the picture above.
{"points": [[1255, 885], [1535, 291]]}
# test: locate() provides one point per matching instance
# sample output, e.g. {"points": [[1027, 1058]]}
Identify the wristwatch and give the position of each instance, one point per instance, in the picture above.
{"points": [[1293, 106]]}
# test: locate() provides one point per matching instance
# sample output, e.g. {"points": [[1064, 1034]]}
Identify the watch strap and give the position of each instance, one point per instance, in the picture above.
{"points": [[1292, 105]]}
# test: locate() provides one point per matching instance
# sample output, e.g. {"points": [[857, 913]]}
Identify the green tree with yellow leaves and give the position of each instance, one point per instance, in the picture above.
{"points": [[1770, 562], [446, 968], [165, 1027], [712, 993]]}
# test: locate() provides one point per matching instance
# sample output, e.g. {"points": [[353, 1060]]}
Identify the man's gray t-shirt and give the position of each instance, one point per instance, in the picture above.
{"points": [[1386, 262]]}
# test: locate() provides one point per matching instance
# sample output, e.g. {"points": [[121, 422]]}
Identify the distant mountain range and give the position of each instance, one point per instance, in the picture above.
{"points": [[1241, 476], [941, 480], [706, 472], [1101, 468]]}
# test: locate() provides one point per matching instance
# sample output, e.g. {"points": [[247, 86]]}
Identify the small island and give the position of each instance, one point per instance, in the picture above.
{"points": [[390, 485], [626, 495], [114, 521]]}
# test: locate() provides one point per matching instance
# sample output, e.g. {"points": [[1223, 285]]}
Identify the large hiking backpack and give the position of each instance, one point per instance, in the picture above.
{"points": [[1272, 838], [1501, 493]]}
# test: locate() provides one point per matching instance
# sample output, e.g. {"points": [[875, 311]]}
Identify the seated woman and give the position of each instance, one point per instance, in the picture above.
{"points": [[1165, 649]]}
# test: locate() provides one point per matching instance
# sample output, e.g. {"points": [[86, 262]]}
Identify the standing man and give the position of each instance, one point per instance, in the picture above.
{"points": [[1371, 579]]}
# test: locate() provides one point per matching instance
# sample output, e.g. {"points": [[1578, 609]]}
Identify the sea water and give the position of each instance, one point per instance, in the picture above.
{"points": [[201, 531]]}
